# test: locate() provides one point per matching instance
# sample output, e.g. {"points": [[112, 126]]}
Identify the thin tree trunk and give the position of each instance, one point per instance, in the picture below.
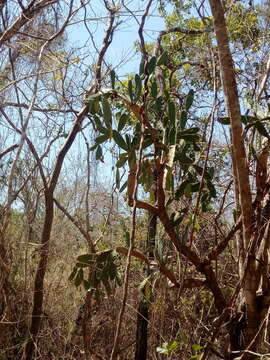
{"points": [[251, 280], [141, 332], [40, 275], [143, 307]]}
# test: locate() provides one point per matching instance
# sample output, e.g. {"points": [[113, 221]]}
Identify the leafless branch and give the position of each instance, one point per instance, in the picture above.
{"points": [[9, 149]]}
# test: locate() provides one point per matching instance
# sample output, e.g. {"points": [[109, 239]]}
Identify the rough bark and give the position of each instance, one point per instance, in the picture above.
{"points": [[251, 280], [141, 332]]}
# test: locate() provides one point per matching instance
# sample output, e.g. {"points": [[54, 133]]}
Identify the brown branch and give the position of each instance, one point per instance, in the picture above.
{"points": [[140, 31], [76, 223], [29, 12], [106, 43], [233, 108], [138, 255], [176, 29], [203, 267], [263, 81], [217, 250], [36, 108], [9, 149]]}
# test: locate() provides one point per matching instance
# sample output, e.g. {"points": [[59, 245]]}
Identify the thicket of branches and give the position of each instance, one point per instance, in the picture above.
{"points": [[134, 208]]}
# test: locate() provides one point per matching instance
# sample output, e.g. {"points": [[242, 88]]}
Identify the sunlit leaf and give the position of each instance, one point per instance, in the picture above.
{"points": [[150, 67], [122, 160], [142, 65]]}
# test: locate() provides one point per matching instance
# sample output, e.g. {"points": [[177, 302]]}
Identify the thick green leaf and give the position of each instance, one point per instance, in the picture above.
{"points": [[154, 89], [195, 187], [101, 139], [91, 98], [190, 138], [171, 112], [107, 115], [172, 136], [183, 119], [261, 128], [142, 65], [212, 189], [119, 140], [138, 87], [86, 285], [162, 60], [123, 187], [73, 273], [117, 179], [79, 278], [248, 119], [180, 190], [99, 126], [188, 191], [103, 255], [122, 121], [86, 258], [99, 153], [158, 105], [224, 120], [189, 99], [128, 141], [92, 148], [112, 74], [122, 160], [130, 90], [150, 67], [183, 158], [93, 107]]}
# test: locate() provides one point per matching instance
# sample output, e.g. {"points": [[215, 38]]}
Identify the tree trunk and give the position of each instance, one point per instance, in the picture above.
{"points": [[40, 275], [141, 333], [143, 311], [251, 279]]}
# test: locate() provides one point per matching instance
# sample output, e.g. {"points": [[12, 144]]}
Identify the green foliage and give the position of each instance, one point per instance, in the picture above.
{"points": [[168, 347], [102, 269], [249, 122], [196, 348], [170, 134]]}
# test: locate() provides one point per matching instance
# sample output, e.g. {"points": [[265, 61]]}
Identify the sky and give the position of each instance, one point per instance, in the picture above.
{"points": [[121, 53]]}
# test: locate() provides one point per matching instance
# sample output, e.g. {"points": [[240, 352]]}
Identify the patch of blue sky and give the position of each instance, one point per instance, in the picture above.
{"points": [[122, 54]]}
